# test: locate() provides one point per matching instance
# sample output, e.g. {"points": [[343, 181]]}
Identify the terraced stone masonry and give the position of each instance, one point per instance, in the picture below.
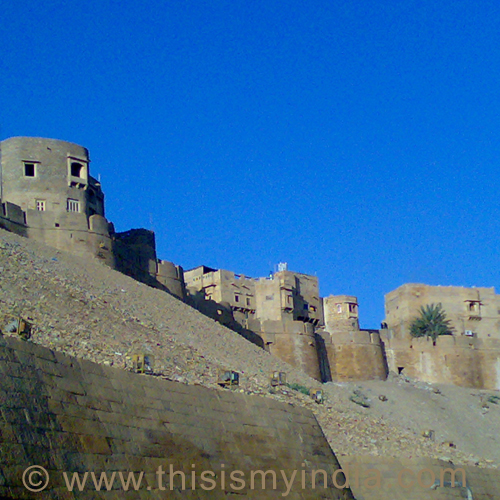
{"points": [[71, 415]]}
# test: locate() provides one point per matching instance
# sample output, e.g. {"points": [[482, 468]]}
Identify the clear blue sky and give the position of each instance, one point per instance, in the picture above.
{"points": [[358, 141]]}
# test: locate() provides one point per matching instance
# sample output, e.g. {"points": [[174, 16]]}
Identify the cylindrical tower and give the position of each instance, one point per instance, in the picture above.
{"points": [[48, 175], [353, 354], [47, 191]]}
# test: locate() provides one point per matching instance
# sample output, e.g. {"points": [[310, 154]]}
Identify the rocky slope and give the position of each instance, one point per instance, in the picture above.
{"points": [[85, 309]]}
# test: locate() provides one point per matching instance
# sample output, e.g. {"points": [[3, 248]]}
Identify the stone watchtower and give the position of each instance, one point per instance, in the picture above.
{"points": [[46, 185], [353, 354], [48, 175], [341, 313]]}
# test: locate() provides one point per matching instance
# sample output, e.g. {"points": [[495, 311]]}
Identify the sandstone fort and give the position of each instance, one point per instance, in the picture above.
{"points": [[48, 194]]}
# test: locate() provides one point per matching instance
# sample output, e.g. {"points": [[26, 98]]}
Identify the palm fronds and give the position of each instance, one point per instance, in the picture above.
{"points": [[431, 323]]}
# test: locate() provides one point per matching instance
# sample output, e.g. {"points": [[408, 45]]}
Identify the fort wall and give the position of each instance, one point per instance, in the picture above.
{"points": [[71, 415], [171, 276], [462, 361], [47, 193], [293, 342], [356, 355], [470, 357], [352, 354]]}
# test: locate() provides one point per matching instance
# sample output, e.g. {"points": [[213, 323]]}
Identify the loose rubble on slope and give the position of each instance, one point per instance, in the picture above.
{"points": [[85, 309]]}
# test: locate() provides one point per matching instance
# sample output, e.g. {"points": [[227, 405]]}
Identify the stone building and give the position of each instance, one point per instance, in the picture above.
{"points": [[291, 320], [470, 357], [283, 310], [47, 193], [473, 312]]}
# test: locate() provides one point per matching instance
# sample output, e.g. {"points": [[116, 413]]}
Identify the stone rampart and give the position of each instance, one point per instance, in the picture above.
{"points": [[355, 355], [462, 361], [71, 415], [293, 342]]}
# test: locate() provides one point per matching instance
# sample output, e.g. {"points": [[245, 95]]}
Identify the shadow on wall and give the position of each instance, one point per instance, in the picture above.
{"points": [[324, 364], [13, 219], [134, 253], [223, 314], [134, 261]]}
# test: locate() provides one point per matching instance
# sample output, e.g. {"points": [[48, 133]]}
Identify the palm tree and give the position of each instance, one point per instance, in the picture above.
{"points": [[431, 323]]}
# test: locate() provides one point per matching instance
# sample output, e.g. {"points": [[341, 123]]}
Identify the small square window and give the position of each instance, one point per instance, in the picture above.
{"points": [[29, 170], [73, 205], [76, 169], [40, 205]]}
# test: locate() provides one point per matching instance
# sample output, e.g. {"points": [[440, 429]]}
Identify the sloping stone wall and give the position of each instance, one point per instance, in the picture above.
{"points": [[70, 415]]}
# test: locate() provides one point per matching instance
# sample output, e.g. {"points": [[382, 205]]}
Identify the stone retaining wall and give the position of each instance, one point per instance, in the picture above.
{"points": [[71, 415]]}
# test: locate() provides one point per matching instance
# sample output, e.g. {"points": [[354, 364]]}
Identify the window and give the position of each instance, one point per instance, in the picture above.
{"points": [[40, 205], [248, 301], [237, 298], [73, 205], [76, 169], [339, 308], [473, 307], [29, 170]]}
